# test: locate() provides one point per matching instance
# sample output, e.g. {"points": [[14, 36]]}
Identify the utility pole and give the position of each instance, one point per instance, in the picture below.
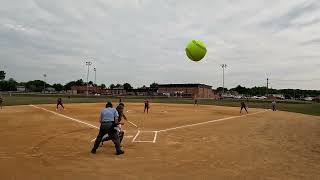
{"points": [[267, 86], [95, 78], [44, 84], [88, 63], [223, 67]]}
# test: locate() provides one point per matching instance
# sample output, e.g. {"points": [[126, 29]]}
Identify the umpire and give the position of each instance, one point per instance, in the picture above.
{"points": [[108, 118], [120, 109]]}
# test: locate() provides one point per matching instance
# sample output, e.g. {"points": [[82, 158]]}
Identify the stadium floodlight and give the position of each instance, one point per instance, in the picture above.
{"points": [[95, 75], [223, 67], [88, 63], [44, 84], [95, 79]]}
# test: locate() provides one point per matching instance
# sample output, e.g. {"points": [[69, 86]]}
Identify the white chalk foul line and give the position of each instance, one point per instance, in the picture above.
{"points": [[61, 115], [206, 122], [77, 120], [156, 132]]}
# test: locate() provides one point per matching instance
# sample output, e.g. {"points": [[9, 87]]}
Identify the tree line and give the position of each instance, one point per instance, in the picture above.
{"points": [[38, 86], [262, 91]]}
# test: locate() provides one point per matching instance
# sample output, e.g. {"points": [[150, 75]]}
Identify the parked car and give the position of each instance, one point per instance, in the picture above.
{"points": [[262, 97], [308, 98]]}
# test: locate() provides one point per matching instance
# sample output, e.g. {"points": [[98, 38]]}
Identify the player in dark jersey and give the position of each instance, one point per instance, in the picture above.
{"points": [[118, 127], [1, 101], [274, 105], [59, 102], [243, 106], [120, 109], [146, 106], [196, 102]]}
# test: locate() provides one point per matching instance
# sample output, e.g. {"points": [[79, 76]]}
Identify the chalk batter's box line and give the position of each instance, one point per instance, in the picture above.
{"points": [[107, 136], [138, 141]]}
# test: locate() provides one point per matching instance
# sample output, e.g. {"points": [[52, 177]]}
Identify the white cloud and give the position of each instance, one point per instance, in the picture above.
{"points": [[142, 41]]}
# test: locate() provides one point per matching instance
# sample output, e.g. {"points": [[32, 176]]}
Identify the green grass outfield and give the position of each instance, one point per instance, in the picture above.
{"points": [[292, 106]]}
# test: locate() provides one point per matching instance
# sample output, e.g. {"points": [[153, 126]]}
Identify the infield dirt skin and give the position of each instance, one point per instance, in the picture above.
{"points": [[39, 144]]}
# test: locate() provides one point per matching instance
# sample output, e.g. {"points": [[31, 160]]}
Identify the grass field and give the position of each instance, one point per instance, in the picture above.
{"points": [[304, 107]]}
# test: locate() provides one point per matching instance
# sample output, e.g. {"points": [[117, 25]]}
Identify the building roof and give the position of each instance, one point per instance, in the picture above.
{"points": [[84, 87], [183, 85], [143, 90]]}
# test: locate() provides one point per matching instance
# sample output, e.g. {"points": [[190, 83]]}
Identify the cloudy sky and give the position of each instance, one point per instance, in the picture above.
{"points": [[143, 41]]}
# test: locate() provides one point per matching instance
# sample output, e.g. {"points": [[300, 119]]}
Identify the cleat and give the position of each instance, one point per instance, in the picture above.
{"points": [[120, 152], [93, 151]]}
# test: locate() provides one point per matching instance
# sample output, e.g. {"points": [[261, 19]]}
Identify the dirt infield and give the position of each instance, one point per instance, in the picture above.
{"points": [[171, 142]]}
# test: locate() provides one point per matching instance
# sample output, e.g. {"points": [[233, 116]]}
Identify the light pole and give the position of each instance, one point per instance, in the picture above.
{"points": [[95, 78], [44, 84], [223, 67], [95, 75], [88, 63], [267, 86]]}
